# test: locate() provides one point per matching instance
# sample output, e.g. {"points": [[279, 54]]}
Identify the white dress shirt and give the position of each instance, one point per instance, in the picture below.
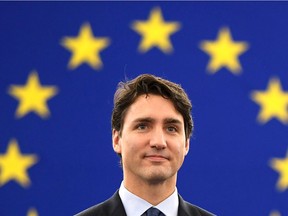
{"points": [[136, 206]]}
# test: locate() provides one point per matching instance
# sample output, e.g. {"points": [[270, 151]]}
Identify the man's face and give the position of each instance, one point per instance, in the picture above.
{"points": [[152, 142]]}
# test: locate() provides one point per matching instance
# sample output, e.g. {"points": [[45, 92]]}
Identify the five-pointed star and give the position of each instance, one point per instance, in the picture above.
{"points": [[32, 96], [32, 212], [14, 165], [280, 165], [85, 48], [273, 102], [224, 52], [155, 32]]}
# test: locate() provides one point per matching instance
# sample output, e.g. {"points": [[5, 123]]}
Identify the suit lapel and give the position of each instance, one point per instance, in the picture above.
{"points": [[115, 206], [182, 209], [185, 209]]}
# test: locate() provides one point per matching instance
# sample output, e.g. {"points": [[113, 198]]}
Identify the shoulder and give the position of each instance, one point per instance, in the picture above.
{"points": [[187, 209], [110, 207]]}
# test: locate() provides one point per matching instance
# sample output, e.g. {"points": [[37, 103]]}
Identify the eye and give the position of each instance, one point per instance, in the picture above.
{"points": [[172, 129], [141, 126]]}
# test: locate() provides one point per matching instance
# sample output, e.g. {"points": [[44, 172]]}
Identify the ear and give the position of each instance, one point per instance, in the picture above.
{"points": [[187, 146], [116, 141]]}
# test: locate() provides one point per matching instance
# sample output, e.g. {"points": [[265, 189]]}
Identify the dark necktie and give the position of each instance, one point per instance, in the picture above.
{"points": [[154, 212]]}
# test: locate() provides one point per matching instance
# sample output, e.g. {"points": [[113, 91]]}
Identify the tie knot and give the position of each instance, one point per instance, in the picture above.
{"points": [[154, 212]]}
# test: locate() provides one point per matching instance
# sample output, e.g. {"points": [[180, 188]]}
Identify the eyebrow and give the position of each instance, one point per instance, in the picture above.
{"points": [[172, 121], [148, 120]]}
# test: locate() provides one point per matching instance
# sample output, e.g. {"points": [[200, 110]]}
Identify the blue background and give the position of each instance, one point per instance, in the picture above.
{"points": [[227, 169]]}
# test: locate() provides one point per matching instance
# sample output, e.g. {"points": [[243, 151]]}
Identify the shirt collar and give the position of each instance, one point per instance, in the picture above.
{"points": [[136, 206]]}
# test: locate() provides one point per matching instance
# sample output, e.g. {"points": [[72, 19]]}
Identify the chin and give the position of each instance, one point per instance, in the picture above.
{"points": [[158, 177]]}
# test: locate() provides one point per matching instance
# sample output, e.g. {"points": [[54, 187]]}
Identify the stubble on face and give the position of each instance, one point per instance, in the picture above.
{"points": [[142, 159]]}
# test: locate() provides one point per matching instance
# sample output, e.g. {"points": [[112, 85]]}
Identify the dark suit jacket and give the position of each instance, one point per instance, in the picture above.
{"points": [[114, 207]]}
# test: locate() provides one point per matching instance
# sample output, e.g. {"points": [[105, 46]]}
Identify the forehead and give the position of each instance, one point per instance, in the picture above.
{"points": [[152, 106]]}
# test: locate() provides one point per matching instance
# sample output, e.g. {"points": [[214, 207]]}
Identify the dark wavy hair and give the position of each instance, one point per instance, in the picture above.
{"points": [[127, 92]]}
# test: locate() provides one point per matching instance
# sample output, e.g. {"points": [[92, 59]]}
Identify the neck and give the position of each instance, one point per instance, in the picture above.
{"points": [[152, 192]]}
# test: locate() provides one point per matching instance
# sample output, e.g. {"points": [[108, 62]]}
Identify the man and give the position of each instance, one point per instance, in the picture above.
{"points": [[151, 129]]}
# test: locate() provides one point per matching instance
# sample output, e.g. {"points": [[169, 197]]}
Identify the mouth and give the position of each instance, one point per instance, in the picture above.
{"points": [[156, 158]]}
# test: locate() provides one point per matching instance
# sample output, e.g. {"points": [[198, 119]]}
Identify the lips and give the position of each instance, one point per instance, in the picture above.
{"points": [[156, 157]]}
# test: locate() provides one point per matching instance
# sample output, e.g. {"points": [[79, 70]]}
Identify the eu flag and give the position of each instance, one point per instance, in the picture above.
{"points": [[60, 63]]}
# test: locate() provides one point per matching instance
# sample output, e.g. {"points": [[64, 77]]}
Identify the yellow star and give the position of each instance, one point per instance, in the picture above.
{"points": [[281, 166], [85, 48], [155, 32], [14, 165], [275, 213], [224, 52], [32, 212], [273, 102], [32, 96]]}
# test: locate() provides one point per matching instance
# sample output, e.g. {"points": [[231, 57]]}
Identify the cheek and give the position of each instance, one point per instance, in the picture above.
{"points": [[130, 146], [181, 151]]}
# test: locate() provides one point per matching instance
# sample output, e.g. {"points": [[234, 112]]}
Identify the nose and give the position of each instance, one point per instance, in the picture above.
{"points": [[158, 139]]}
